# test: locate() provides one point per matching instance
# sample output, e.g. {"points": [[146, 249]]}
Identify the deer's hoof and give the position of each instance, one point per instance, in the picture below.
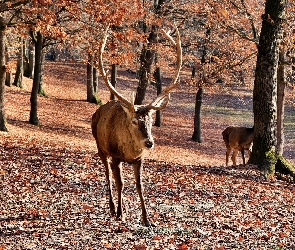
{"points": [[120, 218], [148, 223], [113, 212]]}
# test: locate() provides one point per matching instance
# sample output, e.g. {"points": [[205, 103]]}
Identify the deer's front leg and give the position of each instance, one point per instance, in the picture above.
{"points": [[117, 172], [137, 167], [228, 150], [243, 156], [109, 181], [234, 156]]}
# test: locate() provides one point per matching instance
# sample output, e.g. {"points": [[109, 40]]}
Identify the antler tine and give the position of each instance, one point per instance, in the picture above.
{"points": [[174, 83], [104, 74]]}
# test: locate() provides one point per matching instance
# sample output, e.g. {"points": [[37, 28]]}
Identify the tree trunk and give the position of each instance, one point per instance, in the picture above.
{"points": [[113, 79], [197, 120], [41, 91], [147, 56], [193, 72], [8, 79], [18, 80], [197, 135], [159, 90], [90, 89], [29, 61], [91, 95], [2, 74], [95, 80], [281, 102], [265, 88], [146, 60], [36, 80]]}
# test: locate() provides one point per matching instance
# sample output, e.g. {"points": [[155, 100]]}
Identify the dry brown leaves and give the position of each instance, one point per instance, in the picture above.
{"points": [[53, 190]]}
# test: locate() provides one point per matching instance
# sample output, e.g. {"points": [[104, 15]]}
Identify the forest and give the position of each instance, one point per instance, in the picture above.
{"points": [[200, 66]]}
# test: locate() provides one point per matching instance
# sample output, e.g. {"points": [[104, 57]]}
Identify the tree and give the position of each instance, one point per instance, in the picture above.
{"points": [[197, 118], [91, 89], [157, 75], [2, 74], [281, 101], [18, 80], [44, 22], [113, 79], [29, 59], [8, 13], [36, 80], [147, 58], [8, 78], [265, 91]]}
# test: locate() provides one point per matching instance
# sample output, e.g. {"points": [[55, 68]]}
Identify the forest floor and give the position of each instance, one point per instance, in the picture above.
{"points": [[53, 189]]}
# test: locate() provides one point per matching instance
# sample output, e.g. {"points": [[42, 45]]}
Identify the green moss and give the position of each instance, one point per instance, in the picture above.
{"points": [[97, 100], [276, 164], [284, 169], [268, 166], [41, 92]]}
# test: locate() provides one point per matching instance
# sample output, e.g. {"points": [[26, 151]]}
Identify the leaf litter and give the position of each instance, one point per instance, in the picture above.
{"points": [[53, 189]]}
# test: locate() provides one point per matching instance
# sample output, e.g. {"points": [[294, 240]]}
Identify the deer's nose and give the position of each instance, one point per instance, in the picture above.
{"points": [[149, 144]]}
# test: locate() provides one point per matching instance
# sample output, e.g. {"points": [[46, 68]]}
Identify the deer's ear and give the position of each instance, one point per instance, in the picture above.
{"points": [[134, 121]]}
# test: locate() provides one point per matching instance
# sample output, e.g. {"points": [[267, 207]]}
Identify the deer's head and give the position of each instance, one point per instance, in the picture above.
{"points": [[140, 116]]}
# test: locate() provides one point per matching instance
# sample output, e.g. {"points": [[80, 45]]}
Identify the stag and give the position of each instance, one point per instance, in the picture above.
{"points": [[238, 139], [122, 132]]}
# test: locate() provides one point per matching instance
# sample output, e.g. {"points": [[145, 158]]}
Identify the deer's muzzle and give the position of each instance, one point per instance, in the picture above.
{"points": [[149, 144]]}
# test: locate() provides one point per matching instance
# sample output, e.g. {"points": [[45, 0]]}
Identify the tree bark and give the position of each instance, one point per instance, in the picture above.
{"points": [[95, 80], [41, 91], [90, 90], [146, 60], [197, 120], [147, 57], [8, 79], [159, 90], [29, 61], [113, 79], [91, 95], [265, 89], [281, 102], [18, 80], [36, 80], [2, 74]]}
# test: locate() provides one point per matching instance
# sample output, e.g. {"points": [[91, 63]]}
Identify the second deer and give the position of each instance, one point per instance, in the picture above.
{"points": [[238, 139]]}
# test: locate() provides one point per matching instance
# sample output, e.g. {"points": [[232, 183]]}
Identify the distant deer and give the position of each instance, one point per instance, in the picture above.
{"points": [[238, 139], [122, 132]]}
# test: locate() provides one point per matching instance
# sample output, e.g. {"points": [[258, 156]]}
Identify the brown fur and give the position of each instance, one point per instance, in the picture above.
{"points": [[122, 136], [238, 139], [122, 130]]}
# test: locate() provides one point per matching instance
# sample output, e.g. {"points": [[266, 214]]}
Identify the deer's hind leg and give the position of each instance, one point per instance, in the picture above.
{"points": [[108, 173]]}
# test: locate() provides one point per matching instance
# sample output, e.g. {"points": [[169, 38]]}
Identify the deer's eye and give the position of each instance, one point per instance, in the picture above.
{"points": [[134, 121]]}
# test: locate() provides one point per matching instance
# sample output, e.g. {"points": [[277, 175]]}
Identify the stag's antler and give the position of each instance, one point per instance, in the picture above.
{"points": [[174, 83], [161, 101], [104, 75]]}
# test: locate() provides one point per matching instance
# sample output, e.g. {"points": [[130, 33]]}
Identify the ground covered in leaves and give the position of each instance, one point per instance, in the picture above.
{"points": [[53, 189]]}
